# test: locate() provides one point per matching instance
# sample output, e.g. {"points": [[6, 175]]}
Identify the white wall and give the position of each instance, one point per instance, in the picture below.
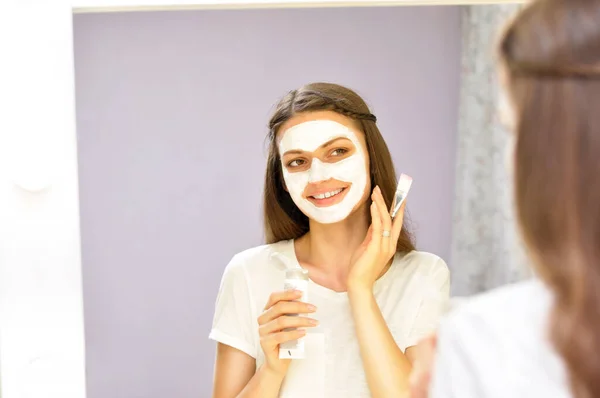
{"points": [[41, 314]]}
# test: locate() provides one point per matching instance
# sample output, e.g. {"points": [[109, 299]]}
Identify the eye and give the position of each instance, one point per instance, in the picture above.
{"points": [[339, 152], [296, 163]]}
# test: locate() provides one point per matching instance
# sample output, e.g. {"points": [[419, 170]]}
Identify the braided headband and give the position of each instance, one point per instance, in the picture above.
{"points": [[352, 114], [581, 71]]}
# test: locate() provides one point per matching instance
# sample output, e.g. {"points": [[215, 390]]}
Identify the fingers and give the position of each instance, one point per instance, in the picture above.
{"points": [[422, 368], [426, 349], [388, 243], [369, 235], [418, 384], [274, 339], [286, 322], [286, 295], [386, 220], [376, 230], [397, 222], [283, 308]]}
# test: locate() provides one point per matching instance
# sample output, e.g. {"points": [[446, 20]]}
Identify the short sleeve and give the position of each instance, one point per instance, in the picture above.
{"points": [[233, 322], [434, 300]]}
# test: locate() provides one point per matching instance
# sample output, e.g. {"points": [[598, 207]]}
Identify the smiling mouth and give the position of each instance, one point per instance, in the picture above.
{"points": [[327, 194], [328, 198]]}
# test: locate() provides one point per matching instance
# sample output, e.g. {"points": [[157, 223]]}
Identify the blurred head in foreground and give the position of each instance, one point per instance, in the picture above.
{"points": [[550, 57]]}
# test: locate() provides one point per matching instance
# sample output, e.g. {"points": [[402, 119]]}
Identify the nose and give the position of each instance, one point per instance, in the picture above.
{"points": [[318, 171]]}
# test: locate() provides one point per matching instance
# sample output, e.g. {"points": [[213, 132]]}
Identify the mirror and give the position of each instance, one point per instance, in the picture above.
{"points": [[172, 113]]}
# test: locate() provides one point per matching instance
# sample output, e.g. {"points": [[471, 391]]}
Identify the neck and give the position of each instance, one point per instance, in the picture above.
{"points": [[330, 247]]}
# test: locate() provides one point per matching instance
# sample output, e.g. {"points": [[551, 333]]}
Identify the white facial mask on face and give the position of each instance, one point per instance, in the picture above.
{"points": [[309, 136]]}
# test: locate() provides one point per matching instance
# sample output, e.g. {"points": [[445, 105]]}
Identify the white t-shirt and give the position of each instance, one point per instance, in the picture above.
{"points": [[411, 295], [496, 346]]}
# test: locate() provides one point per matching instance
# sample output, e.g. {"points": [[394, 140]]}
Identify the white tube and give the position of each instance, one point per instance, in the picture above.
{"points": [[295, 279]]}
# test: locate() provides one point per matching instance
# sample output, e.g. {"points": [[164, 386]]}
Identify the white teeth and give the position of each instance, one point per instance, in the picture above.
{"points": [[327, 194]]}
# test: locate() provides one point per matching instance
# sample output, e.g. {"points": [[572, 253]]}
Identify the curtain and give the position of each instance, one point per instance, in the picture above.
{"points": [[486, 248]]}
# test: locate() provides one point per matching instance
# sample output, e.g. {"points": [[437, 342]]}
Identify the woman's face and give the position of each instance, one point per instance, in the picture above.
{"points": [[325, 165]]}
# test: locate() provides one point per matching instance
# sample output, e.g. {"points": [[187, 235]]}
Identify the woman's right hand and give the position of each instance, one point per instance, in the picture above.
{"points": [[274, 319]]}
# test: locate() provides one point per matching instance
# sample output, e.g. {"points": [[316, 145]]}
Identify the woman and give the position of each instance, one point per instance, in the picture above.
{"points": [[542, 338], [328, 187]]}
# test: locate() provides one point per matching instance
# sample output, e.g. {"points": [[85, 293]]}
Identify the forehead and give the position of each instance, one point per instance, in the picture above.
{"points": [[323, 132], [309, 136], [318, 115]]}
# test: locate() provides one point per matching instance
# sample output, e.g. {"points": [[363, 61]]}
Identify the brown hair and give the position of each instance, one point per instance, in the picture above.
{"points": [[282, 218], [551, 56]]}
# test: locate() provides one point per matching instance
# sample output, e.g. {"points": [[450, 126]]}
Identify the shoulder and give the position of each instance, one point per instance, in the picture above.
{"points": [[514, 300], [255, 260], [250, 256], [418, 264], [503, 333], [495, 314]]}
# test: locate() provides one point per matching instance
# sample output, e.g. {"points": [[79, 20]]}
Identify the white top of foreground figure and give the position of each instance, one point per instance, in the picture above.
{"points": [[496, 345]]}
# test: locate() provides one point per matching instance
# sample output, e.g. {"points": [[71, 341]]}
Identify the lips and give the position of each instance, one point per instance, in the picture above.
{"points": [[327, 194], [327, 198]]}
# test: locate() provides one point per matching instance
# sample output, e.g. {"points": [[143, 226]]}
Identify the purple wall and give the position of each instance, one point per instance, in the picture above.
{"points": [[171, 115]]}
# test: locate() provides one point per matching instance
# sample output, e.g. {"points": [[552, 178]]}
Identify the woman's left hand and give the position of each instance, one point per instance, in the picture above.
{"points": [[422, 367], [372, 256]]}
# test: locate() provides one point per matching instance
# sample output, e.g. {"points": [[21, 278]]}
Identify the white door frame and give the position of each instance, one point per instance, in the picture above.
{"points": [[42, 346]]}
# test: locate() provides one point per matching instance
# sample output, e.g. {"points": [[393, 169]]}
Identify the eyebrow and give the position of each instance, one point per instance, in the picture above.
{"points": [[297, 151]]}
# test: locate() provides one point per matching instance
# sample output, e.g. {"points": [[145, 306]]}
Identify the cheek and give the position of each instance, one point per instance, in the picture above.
{"points": [[295, 182], [368, 172], [366, 194]]}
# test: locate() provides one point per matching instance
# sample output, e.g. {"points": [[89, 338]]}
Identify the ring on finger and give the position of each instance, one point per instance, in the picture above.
{"points": [[386, 234]]}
